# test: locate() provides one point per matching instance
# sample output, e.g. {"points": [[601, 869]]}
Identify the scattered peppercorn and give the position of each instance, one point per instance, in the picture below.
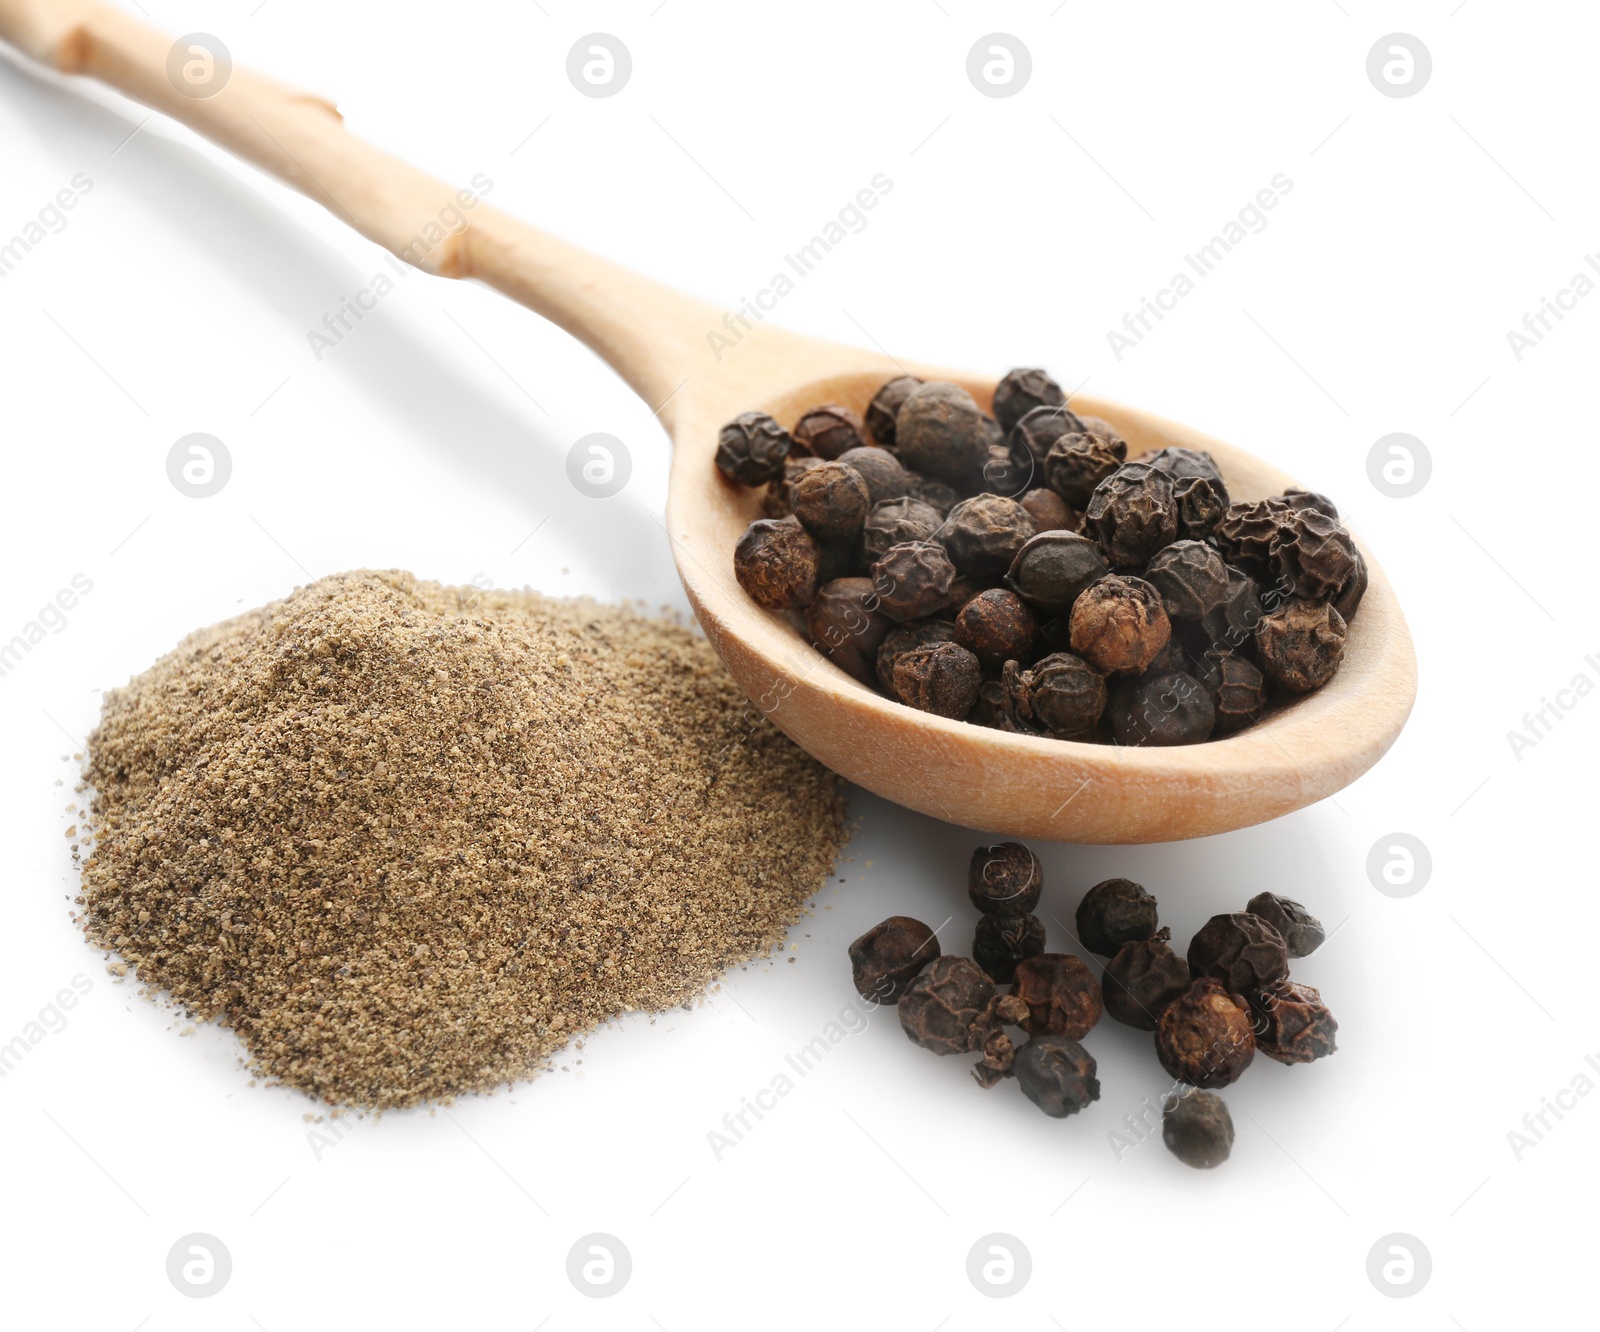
{"points": [[1061, 993], [941, 1006], [1204, 1037], [1005, 880], [1057, 1075], [1118, 624], [1050, 513], [1197, 1129], [1143, 977], [913, 579], [829, 432], [1241, 950], [1293, 1025], [935, 494], [1161, 710], [941, 678], [1000, 942], [885, 408], [996, 628], [1301, 931], [775, 502], [1301, 645], [777, 563], [1349, 599], [1113, 913], [888, 957], [751, 449]]}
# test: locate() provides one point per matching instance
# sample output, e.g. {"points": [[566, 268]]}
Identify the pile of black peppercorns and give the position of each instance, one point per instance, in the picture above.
{"points": [[1210, 1014], [1018, 571]]}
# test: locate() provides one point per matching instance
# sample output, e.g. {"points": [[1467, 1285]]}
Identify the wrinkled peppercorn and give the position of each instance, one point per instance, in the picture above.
{"points": [[998, 1050], [846, 625], [1316, 556], [1197, 1129], [944, 1003], [1170, 660], [895, 522], [887, 958], [941, 433], [1005, 879], [1008, 471], [831, 501], [1191, 578], [1201, 502], [1241, 950], [776, 502], [1293, 1025], [885, 408], [1038, 430], [1296, 498], [829, 432], [1057, 1075], [1238, 690], [913, 579], [777, 563], [1231, 627], [1118, 624], [1204, 1037], [918, 633], [1161, 710], [1023, 391], [941, 678], [1301, 931], [983, 534], [935, 494], [1052, 568], [1000, 942], [1180, 463], [886, 479], [1142, 978], [1077, 463], [1249, 533], [1301, 645], [1061, 693], [1049, 511], [1115, 912], [1349, 598], [1132, 514], [996, 628], [751, 449], [1061, 993]]}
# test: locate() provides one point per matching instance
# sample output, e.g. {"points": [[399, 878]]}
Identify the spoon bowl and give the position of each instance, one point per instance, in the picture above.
{"points": [[698, 366]]}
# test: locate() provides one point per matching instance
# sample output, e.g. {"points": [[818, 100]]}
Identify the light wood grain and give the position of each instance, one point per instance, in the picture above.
{"points": [[661, 342]]}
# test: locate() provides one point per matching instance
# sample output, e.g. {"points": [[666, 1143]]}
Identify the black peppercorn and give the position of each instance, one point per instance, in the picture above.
{"points": [[1191, 578], [1231, 627], [1061, 693], [1132, 514], [1238, 690], [1197, 1129], [846, 625], [983, 534], [777, 563], [831, 501], [1241, 950], [1159, 710], [1316, 556], [1052, 568], [1008, 471], [1057, 1075], [1098, 425], [1349, 598], [1118, 624], [1296, 498], [751, 449], [913, 579], [1005, 880], [996, 628], [777, 502], [1301, 931], [886, 479], [1249, 533], [1201, 504], [1050, 513], [1115, 912], [1038, 430], [1293, 1025], [887, 958], [902, 638], [829, 432], [941, 1007], [885, 408], [935, 494], [1142, 978], [1077, 463], [895, 522], [1000, 942], [1180, 463], [1204, 1037], [1061, 993], [1023, 391], [941, 678], [1301, 645], [941, 433]]}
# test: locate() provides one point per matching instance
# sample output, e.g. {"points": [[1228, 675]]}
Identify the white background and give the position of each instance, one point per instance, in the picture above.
{"points": [[1018, 230]]}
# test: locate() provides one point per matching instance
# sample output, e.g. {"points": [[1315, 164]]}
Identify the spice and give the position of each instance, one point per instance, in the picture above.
{"points": [[885, 408], [1240, 950], [1061, 693], [940, 432], [1201, 504], [1077, 463], [1142, 978], [941, 678], [913, 579], [751, 449], [778, 563], [886, 479], [829, 432], [984, 534], [1115, 912], [942, 1007], [996, 628], [1293, 1025], [1118, 624], [1237, 689], [1061, 993], [408, 840], [889, 956], [1052, 569], [897, 521], [846, 625], [1057, 1075], [1302, 932], [1301, 645], [902, 638], [1037, 431], [831, 501], [1191, 578], [1204, 1037], [1005, 880], [1050, 513], [1171, 709], [1000, 942], [1197, 1129], [1132, 513], [1023, 391]]}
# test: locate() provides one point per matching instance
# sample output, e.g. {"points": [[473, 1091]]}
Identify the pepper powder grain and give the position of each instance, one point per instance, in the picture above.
{"points": [[409, 840]]}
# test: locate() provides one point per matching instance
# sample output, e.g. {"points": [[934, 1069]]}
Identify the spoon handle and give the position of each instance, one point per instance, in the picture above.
{"points": [[650, 334]]}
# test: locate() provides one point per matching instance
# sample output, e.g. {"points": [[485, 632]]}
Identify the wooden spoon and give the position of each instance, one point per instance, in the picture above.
{"points": [[660, 342]]}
